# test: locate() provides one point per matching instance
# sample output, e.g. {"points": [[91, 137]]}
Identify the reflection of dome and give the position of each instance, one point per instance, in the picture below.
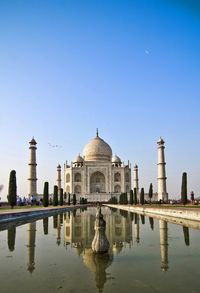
{"points": [[78, 159], [98, 263], [97, 150], [116, 159], [117, 247]]}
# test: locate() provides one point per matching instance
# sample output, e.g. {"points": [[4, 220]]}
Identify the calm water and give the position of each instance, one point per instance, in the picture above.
{"points": [[54, 255]]}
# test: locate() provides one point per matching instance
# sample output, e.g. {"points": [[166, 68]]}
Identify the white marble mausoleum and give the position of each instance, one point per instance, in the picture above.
{"points": [[97, 174]]}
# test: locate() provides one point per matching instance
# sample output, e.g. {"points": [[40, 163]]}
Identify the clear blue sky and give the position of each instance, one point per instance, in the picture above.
{"points": [[130, 68]]}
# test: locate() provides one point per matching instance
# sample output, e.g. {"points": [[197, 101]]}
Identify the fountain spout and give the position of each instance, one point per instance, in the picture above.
{"points": [[100, 242]]}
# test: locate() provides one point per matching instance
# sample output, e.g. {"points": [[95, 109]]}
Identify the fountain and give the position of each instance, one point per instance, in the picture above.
{"points": [[100, 242]]}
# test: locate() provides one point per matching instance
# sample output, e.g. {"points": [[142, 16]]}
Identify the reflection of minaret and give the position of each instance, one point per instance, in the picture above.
{"points": [[31, 246], [58, 231], [163, 244], [33, 176], [162, 187], [136, 179], [11, 238], [59, 179], [137, 228]]}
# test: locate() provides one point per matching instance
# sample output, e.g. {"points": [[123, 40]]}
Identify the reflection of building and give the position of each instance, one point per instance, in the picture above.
{"points": [[97, 175], [163, 244], [31, 246], [98, 263], [79, 230]]}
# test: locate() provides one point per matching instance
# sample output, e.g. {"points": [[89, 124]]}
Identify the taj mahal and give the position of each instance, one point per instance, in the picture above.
{"points": [[97, 174]]}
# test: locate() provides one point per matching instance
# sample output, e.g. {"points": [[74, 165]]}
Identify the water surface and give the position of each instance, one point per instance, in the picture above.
{"points": [[54, 255]]}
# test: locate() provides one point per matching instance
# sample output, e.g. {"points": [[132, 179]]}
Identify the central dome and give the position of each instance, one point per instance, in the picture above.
{"points": [[97, 150]]}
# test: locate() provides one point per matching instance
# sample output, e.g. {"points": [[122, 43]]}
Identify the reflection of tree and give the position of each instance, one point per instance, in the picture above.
{"points": [[45, 225], [61, 219], [142, 219], [98, 263], [186, 235], [58, 230], [151, 221], [131, 216], [135, 218], [55, 221], [11, 238], [74, 213]]}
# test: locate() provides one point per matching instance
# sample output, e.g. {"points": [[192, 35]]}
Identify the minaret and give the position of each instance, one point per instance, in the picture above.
{"points": [[135, 178], [33, 175], [163, 245], [162, 188], [59, 178]]}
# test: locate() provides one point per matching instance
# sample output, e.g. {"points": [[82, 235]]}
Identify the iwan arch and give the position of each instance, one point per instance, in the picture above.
{"points": [[97, 175]]}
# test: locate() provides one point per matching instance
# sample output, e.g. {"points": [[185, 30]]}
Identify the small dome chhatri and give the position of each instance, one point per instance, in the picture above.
{"points": [[116, 159], [78, 159], [97, 150]]}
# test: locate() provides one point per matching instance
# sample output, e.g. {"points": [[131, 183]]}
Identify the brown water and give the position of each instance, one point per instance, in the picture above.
{"points": [[54, 255]]}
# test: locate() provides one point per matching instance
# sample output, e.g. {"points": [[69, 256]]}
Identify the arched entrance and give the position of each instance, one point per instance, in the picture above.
{"points": [[97, 183]]}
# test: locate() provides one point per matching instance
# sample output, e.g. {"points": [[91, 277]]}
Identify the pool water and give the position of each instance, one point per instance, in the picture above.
{"points": [[54, 255]]}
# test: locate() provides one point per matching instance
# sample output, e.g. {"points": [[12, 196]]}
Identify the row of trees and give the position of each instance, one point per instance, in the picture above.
{"points": [[12, 194], [57, 202], [123, 199]]}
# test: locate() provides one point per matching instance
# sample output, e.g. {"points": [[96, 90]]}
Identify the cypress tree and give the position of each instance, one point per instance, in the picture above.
{"points": [[68, 201], [74, 199], [184, 188], [55, 195], [135, 196], [192, 197], [142, 196], [150, 191], [131, 197], [12, 189], [46, 194], [61, 196], [65, 196], [126, 198]]}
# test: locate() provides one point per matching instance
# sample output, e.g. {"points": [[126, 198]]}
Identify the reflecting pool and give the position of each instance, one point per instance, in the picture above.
{"points": [[54, 255]]}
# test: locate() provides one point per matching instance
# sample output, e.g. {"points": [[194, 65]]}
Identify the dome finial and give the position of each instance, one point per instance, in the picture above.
{"points": [[97, 134]]}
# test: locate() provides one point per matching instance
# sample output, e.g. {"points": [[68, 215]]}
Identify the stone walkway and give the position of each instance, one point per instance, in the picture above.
{"points": [[10, 215]]}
